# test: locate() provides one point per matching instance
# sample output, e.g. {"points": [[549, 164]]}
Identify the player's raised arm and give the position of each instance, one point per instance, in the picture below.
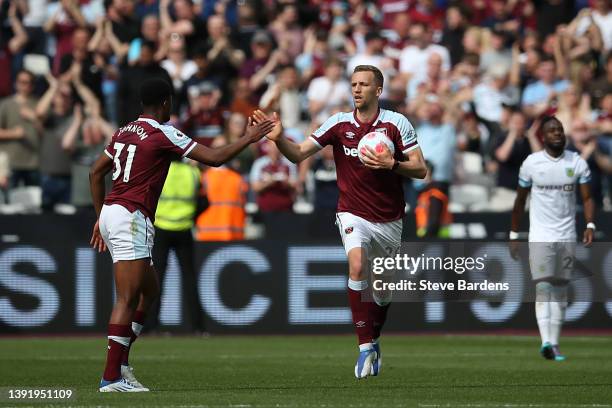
{"points": [[218, 156], [292, 151]]}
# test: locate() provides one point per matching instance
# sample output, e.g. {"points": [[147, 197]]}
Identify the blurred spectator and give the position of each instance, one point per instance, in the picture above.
{"points": [[12, 41], [413, 60], [551, 13], [328, 92], [500, 17], [391, 10], [454, 31], [225, 190], [223, 59], [274, 179], [510, 150], [372, 55], [204, 120], [573, 106], [601, 86], [128, 89], [19, 131], [178, 66], [124, 22], [433, 81], [398, 37], [150, 30], [437, 136], [263, 63], [174, 220], [65, 17], [234, 130], [425, 12], [326, 191], [80, 62], [539, 95], [243, 98], [432, 216], [186, 24], [312, 61], [498, 54], [287, 31], [494, 91], [585, 142], [61, 127], [284, 96], [602, 16]]}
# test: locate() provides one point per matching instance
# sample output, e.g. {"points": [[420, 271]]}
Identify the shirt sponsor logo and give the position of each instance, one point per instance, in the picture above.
{"points": [[350, 152], [564, 187]]}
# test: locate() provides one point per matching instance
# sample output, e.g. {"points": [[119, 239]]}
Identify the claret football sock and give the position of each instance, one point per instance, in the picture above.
{"points": [[136, 329], [379, 316], [118, 341], [360, 310]]}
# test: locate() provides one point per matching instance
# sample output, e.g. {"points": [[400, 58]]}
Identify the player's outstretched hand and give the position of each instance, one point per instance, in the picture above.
{"points": [[277, 132], [514, 249], [256, 130], [96, 238], [587, 239], [377, 161]]}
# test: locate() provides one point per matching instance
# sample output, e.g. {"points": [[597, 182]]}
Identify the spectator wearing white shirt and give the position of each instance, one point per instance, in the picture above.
{"points": [[328, 92], [413, 59], [489, 95]]}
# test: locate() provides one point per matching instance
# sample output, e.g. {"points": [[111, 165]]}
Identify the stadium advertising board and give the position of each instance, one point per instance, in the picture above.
{"points": [[57, 284]]}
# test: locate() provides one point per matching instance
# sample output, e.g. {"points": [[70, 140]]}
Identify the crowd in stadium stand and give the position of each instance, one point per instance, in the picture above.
{"points": [[473, 76]]}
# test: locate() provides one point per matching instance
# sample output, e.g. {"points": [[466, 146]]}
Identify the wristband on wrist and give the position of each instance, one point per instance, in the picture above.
{"points": [[513, 235], [591, 225]]}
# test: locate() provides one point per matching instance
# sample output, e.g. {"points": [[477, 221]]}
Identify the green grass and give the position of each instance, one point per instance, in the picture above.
{"points": [[317, 371]]}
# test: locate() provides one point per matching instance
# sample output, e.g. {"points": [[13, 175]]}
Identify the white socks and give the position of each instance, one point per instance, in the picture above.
{"points": [[542, 309], [550, 305], [557, 312]]}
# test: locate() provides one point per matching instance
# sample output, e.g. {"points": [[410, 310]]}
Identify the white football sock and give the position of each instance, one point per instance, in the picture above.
{"points": [[542, 309], [558, 305]]}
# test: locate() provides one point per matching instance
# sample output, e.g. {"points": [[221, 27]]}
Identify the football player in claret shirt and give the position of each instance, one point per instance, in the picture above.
{"points": [[371, 203], [139, 156]]}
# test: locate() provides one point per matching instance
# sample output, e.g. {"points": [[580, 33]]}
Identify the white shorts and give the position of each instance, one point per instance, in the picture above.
{"points": [[377, 238], [127, 235], [552, 260]]}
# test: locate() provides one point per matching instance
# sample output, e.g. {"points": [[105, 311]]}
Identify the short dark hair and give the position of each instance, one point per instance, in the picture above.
{"points": [[548, 118], [378, 76], [154, 91]]}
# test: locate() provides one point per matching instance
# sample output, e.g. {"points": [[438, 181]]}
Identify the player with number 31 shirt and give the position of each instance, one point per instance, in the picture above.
{"points": [[139, 157]]}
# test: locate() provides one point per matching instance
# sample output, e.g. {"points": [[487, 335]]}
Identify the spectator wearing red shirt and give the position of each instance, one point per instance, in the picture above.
{"points": [[274, 179], [205, 119]]}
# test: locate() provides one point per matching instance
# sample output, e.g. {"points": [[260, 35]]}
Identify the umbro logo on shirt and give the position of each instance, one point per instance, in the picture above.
{"points": [[349, 135]]}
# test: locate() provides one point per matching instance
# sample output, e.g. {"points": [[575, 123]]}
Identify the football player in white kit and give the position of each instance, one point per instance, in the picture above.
{"points": [[551, 176]]}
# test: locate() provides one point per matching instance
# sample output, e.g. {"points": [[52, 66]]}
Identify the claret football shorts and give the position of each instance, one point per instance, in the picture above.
{"points": [[377, 238], [127, 235]]}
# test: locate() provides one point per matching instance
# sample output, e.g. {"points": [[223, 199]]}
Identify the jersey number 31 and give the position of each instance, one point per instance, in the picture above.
{"points": [[131, 149]]}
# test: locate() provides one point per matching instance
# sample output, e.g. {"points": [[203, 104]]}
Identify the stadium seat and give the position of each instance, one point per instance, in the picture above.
{"points": [[471, 196], [24, 199]]}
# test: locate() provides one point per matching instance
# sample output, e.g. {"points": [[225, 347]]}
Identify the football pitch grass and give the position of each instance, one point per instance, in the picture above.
{"points": [[317, 371]]}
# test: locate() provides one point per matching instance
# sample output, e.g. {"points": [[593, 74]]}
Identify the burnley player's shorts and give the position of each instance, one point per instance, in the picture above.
{"points": [[127, 235], [552, 260], [377, 238]]}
